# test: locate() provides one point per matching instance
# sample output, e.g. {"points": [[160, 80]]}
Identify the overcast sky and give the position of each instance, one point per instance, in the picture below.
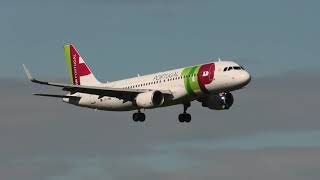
{"points": [[271, 132], [120, 38]]}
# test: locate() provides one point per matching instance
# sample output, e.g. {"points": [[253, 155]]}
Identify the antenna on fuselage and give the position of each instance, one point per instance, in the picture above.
{"points": [[219, 59]]}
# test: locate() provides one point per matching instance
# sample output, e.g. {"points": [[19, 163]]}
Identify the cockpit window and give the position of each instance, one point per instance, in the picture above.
{"points": [[233, 68]]}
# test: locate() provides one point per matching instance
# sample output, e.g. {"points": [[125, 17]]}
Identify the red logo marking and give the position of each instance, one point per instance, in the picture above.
{"points": [[78, 69], [206, 75]]}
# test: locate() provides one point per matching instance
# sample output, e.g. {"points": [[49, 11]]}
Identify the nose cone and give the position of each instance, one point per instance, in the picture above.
{"points": [[245, 78]]}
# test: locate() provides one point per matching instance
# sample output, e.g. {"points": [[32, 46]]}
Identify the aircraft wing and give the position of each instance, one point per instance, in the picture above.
{"points": [[125, 94]]}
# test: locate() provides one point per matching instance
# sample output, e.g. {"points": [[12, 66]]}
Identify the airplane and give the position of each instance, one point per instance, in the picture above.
{"points": [[211, 84]]}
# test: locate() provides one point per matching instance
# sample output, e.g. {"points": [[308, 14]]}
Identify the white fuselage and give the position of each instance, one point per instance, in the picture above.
{"points": [[184, 85]]}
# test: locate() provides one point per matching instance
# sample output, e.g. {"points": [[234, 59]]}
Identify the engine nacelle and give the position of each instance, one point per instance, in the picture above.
{"points": [[218, 102], [149, 99]]}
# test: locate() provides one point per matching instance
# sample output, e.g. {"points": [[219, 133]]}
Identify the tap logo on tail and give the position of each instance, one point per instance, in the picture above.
{"points": [[76, 65]]}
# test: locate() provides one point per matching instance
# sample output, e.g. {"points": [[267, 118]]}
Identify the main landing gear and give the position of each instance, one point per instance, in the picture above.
{"points": [[185, 117], [139, 117]]}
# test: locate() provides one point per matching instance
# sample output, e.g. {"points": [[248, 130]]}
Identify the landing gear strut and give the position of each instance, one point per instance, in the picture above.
{"points": [[139, 116], [185, 117]]}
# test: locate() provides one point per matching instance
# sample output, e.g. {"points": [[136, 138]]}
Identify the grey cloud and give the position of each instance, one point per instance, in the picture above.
{"points": [[35, 127], [33, 169], [284, 164]]}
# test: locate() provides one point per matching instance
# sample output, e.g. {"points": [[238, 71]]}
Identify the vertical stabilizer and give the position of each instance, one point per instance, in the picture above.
{"points": [[79, 71]]}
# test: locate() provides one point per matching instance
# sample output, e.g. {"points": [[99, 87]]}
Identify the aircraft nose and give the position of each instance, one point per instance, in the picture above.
{"points": [[245, 78]]}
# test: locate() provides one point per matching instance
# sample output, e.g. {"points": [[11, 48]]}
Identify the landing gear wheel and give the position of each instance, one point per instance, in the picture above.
{"points": [[139, 117], [135, 117], [142, 117], [188, 118], [184, 117], [181, 118]]}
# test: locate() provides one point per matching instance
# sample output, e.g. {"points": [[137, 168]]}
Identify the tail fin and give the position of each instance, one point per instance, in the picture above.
{"points": [[80, 73]]}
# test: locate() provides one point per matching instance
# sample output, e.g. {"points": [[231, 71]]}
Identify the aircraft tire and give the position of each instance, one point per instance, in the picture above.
{"points": [[135, 117], [138, 117], [142, 117], [181, 118], [187, 118], [184, 117]]}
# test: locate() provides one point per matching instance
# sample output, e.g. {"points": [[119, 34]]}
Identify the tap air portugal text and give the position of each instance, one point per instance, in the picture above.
{"points": [[209, 84]]}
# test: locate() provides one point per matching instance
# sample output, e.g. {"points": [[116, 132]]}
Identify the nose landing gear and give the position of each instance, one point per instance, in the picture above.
{"points": [[185, 117]]}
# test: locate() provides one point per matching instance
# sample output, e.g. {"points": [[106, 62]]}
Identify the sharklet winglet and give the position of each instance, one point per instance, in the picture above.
{"points": [[28, 73]]}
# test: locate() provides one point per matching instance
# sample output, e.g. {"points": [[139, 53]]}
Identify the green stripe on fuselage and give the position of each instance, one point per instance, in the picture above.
{"points": [[185, 74], [68, 61], [191, 82]]}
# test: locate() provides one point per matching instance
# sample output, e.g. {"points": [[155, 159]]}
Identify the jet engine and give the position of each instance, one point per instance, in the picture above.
{"points": [[150, 99], [220, 101]]}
